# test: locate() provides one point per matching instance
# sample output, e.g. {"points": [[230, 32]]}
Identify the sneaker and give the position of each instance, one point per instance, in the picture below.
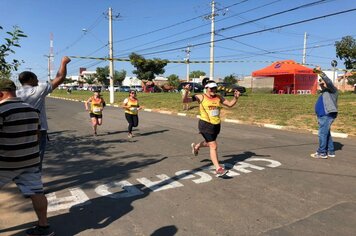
{"points": [[318, 155], [331, 155], [40, 231], [129, 135], [221, 172], [194, 151]]}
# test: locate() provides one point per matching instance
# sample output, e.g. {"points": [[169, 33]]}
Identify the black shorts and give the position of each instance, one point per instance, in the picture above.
{"points": [[209, 131], [92, 115]]}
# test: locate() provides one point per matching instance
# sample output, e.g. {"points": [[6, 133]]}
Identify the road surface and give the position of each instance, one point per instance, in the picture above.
{"points": [[153, 185]]}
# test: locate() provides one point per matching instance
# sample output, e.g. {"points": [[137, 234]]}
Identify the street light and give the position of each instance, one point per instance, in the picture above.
{"points": [[334, 65]]}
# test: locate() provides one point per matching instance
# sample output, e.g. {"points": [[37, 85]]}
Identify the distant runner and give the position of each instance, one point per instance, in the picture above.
{"points": [[97, 105], [210, 104], [131, 107]]}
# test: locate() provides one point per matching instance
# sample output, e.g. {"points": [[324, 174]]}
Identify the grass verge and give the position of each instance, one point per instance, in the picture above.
{"points": [[287, 110]]}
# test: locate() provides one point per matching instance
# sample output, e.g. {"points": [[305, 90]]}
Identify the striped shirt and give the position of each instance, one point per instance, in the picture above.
{"points": [[19, 129]]}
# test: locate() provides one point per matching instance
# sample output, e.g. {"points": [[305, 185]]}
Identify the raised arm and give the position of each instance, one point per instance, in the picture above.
{"points": [[61, 74], [86, 104], [328, 83], [232, 102]]}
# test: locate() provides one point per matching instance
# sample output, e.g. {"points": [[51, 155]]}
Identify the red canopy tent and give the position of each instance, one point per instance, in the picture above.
{"points": [[290, 77]]}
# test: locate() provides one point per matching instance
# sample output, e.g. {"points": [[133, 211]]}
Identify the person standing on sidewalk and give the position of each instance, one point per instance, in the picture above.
{"points": [[19, 152], [34, 93], [326, 111], [97, 105], [210, 104], [185, 104], [131, 107]]}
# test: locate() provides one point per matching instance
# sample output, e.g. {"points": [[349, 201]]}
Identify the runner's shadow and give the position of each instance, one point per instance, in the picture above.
{"points": [[116, 132], [97, 213], [165, 231], [153, 132], [241, 157], [234, 158], [238, 157]]}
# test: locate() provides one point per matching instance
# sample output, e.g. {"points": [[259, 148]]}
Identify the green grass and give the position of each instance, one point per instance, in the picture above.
{"points": [[287, 110]]}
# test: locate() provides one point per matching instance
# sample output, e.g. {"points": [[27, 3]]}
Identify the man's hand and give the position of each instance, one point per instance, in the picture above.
{"points": [[317, 70], [65, 60], [61, 74]]}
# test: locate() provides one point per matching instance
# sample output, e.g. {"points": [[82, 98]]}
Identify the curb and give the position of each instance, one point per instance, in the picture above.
{"points": [[270, 126]]}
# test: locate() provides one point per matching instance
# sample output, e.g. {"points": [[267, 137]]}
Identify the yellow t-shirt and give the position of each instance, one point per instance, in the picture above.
{"points": [[210, 109], [96, 106], [133, 106]]}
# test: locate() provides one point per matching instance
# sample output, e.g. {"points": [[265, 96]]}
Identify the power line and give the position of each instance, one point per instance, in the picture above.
{"points": [[90, 28], [173, 25], [233, 26], [259, 31]]}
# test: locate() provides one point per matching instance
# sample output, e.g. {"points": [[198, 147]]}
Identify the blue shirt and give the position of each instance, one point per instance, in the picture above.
{"points": [[319, 107]]}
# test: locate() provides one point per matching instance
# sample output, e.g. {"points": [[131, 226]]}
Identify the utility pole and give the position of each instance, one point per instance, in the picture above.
{"points": [[305, 48], [187, 61], [49, 67], [212, 17], [111, 61]]}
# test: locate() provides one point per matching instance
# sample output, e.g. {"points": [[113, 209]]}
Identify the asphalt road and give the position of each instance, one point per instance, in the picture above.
{"points": [[152, 185]]}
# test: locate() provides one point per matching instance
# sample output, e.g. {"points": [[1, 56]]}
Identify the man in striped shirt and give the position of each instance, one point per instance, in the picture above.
{"points": [[19, 152]]}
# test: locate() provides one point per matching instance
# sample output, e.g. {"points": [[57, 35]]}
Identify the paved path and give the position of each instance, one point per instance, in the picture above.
{"points": [[151, 184]]}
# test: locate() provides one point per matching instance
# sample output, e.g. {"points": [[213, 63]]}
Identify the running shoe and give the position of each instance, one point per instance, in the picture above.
{"points": [[194, 151], [221, 172], [331, 155], [129, 135], [40, 231], [318, 156]]}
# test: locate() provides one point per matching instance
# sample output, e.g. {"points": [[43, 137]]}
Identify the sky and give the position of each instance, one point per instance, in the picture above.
{"points": [[165, 28]]}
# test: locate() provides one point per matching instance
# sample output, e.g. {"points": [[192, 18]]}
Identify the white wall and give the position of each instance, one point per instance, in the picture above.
{"points": [[131, 81]]}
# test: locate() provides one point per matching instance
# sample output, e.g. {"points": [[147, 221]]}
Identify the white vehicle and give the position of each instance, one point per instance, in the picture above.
{"points": [[137, 88]]}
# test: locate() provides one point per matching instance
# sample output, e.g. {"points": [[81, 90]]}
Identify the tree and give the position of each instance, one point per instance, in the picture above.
{"points": [[119, 77], [230, 79], [346, 50], [173, 80], [6, 49], [102, 74], [147, 69], [89, 80], [196, 74], [351, 80], [68, 81]]}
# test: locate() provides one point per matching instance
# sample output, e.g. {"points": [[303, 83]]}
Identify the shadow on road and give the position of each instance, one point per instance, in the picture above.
{"points": [[165, 231], [97, 213], [152, 132], [72, 156], [338, 146]]}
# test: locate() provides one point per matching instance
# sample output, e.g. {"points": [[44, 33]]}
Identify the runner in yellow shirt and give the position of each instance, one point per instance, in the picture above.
{"points": [[131, 107], [97, 105], [210, 104]]}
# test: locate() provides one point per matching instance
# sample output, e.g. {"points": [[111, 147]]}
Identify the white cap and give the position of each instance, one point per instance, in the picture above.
{"points": [[211, 85]]}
